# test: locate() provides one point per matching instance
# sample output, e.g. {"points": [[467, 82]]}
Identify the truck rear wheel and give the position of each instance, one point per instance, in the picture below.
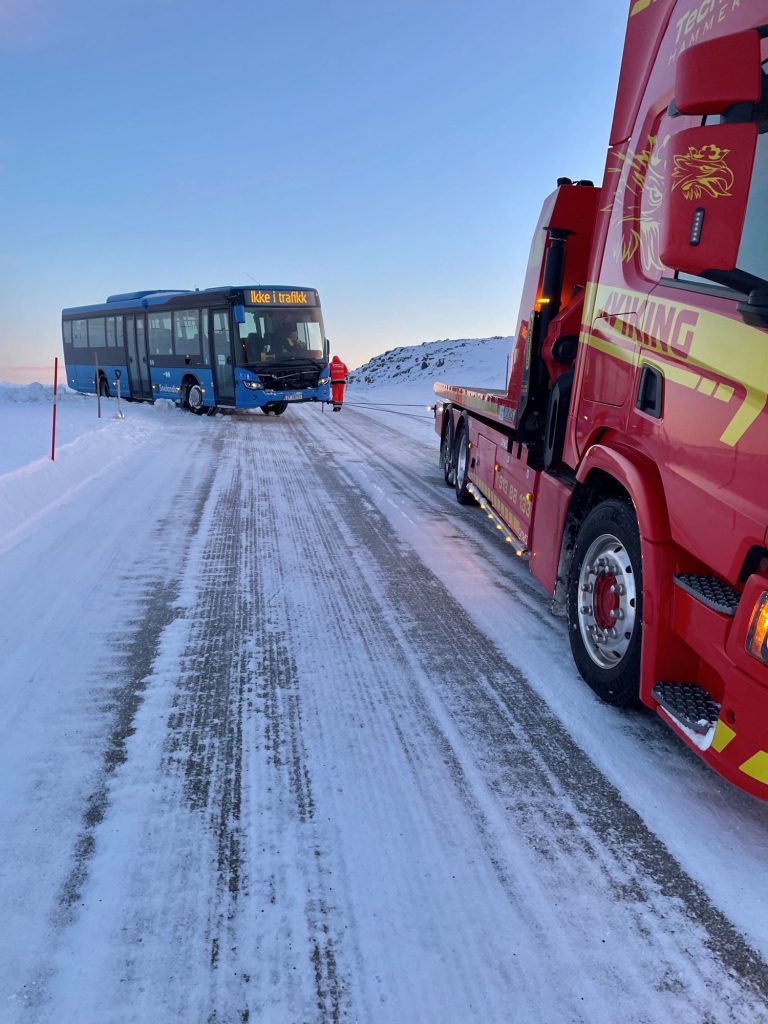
{"points": [[460, 463], [446, 454], [605, 597]]}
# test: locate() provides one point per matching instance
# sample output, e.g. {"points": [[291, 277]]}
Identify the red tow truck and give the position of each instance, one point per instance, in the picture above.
{"points": [[626, 459]]}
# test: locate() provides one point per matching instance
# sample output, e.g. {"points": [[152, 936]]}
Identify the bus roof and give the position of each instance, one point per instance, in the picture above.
{"points": [[202, 296]]}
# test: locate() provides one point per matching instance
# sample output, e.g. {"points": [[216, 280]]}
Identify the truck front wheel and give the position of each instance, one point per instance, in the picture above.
{"points": [[605, 598]]}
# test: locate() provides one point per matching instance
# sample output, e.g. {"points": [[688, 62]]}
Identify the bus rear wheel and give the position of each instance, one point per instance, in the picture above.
{"points": [[103, 387]]}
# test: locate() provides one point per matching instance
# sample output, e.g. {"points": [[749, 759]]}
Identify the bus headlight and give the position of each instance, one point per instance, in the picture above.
{"points": [[757, 637], [323, 380], [254, 385]]}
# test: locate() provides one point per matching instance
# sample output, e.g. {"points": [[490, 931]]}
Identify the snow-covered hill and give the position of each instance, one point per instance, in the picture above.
{"points": [[481, 362]]}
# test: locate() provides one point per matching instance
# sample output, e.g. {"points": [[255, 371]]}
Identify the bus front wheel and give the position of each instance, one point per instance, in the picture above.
{"points": [[103, 387], [194, 399]]}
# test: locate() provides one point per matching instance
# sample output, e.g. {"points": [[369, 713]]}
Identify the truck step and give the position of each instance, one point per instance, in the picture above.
{"points": [[689, 704], [710, 591]]}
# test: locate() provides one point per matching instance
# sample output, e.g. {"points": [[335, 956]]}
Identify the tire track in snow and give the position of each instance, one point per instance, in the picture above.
{"points": [[376, 694], [138, 650], [237, 734], [147, 607], [376, 843], [562, 792], [419, 484], [277, 488]]}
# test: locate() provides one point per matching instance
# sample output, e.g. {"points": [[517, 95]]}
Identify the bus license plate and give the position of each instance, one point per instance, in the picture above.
{"points": [[292, 396]]}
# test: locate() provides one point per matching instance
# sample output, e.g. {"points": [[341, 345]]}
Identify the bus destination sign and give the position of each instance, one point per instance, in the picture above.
{"points": [[278, 297]]}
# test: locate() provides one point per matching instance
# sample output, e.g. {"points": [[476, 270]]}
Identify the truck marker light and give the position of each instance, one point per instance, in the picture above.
{"points": [[757, 637], [697, 224]]}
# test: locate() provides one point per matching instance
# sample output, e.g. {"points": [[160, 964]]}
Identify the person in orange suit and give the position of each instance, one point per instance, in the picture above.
{"points": [[339, 373]]}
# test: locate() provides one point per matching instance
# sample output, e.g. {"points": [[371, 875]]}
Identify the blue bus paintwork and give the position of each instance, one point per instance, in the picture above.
{"points": [[168, 381]]}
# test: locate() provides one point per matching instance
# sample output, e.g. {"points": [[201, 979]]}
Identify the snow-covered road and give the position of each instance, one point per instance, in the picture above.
{"points": [[287, 735]]}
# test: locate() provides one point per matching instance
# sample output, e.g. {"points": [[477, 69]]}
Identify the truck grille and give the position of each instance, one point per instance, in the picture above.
{"points": [[293, 379]]}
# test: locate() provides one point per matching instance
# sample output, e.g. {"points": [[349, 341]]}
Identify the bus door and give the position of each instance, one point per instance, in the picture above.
{"points": [[138, 363], [221, 357]]}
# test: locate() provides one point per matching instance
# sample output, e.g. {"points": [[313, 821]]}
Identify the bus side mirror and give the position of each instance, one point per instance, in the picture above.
{"points": [[715, 75], [239, 314], [709, 171]]}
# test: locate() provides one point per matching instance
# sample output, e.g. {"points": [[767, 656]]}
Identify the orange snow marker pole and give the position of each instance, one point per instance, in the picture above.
{"points": [[55, 403]]}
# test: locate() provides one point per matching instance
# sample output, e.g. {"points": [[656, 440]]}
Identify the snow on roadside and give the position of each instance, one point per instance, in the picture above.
{"points": [[31, 484]]}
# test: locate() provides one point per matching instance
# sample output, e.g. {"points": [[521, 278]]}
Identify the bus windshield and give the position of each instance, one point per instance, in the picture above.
{"points": [[268, 335]]}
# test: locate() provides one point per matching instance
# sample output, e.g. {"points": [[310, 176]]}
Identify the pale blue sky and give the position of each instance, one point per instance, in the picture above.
{"points": [[392, 155]]}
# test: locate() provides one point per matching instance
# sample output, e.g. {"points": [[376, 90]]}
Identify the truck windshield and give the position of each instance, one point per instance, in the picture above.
{"points": [[753, 252], [268, 335]]}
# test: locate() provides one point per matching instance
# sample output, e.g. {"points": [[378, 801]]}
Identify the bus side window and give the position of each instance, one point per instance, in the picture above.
{"points": [[79, 334], [160, 343], [186, 333], [96, 334]]}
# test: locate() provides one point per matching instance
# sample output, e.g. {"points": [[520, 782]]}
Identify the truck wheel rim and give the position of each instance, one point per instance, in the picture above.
{"points": [[607, 601], [461, 461]]}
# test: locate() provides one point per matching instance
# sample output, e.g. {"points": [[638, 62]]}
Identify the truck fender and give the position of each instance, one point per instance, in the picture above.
{"points": [[640, 479]]}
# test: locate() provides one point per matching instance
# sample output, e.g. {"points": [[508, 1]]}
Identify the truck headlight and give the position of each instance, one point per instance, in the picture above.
{"points": [[254, 385], [757, 637]]}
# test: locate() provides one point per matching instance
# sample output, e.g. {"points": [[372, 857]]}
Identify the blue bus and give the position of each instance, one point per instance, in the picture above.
{"points": [[230, 347]]}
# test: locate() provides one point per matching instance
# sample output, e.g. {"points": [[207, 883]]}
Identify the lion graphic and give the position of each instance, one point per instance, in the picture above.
{"points": [[636, 205], [702, 172]]}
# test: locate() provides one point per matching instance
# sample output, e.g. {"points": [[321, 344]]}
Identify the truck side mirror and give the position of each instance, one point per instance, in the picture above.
{"points": [[713, 76], [709, 171]]}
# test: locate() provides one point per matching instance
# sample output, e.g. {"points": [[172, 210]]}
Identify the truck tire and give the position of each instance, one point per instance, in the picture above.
{"points": [[447, 454], [605, 603], [461, 466]]}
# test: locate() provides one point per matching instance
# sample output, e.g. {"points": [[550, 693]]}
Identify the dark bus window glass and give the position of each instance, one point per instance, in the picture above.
{"points": [[204, 336], [110, 332], [160, 340], [753, 253], [186, 333], [221, 328], [96, 336], [119, 331], [140, 343], [80, 333], [269, 334], [66, 331]]}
